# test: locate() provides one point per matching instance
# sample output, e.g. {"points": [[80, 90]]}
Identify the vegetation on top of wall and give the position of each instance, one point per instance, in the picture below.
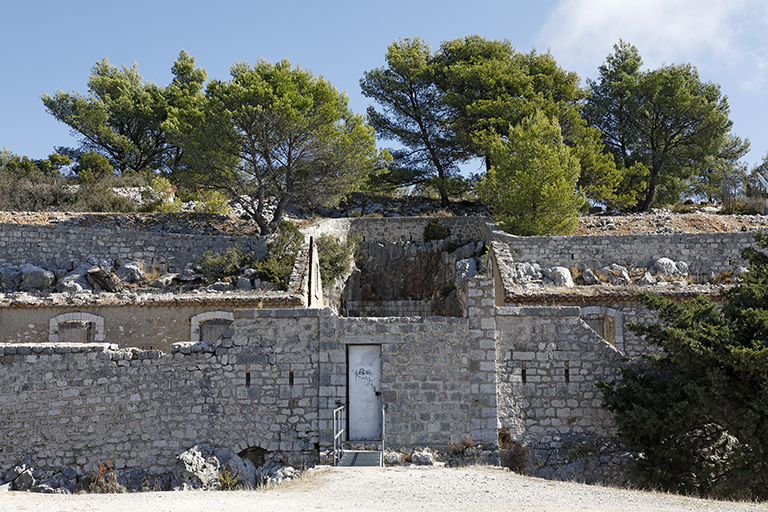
{"points": [[435, 230], [276, 265], [335, 257], [219, 265]]}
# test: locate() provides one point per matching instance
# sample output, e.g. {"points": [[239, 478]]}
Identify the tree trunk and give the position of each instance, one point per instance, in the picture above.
{"points": [[646, 205]]}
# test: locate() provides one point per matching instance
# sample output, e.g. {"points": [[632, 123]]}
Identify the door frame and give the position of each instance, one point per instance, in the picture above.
{"points": [[378, 392]]}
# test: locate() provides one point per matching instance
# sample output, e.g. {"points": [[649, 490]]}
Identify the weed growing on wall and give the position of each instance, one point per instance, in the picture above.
{"points": [[435, 230], [281, 254], [335, 257]]}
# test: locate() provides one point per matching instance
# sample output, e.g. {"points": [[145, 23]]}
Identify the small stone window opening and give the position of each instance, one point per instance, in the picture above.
{"points": [[604, 325], [211, 330], [77, 331], [248, 375], [523, 373], [290, 376], [567, 372]]}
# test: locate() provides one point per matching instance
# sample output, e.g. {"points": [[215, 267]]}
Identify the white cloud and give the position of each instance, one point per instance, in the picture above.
{"points": [[717, 36]]}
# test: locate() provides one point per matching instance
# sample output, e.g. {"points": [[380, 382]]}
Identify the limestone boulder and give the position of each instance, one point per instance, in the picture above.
{"points": [[423, 457], [164, 280], [36, 278], [24, 481], [244, 469], [589, 277], [465, 269], [273, 472], [75, 281], [220, 286], [561, 276], [101, 279], [196, 468], [615, 274], [665, 267], [527, 271], [10, 277], [647, 280], [243, 284], [131, 272]]}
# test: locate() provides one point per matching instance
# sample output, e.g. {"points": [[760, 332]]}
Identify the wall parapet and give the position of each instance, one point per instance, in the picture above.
{"points": [[58, 247]]}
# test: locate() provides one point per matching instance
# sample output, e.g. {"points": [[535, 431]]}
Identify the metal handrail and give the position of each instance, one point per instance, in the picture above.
{"points": [[383, 432], [338, 433]]}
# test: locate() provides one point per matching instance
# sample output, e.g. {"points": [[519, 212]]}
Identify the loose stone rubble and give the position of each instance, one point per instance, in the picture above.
{"points": [[198, 468]]}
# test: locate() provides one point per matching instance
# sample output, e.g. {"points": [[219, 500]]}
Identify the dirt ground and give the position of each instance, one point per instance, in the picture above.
{"points": [[472, 489]]}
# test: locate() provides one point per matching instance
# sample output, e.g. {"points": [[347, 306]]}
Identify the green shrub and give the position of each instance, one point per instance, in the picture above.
{"points": [[435, 230], [211, 201], [160, 197], [229, 480], [334, 256], [98, 198], [225, 264], [277, 265]]}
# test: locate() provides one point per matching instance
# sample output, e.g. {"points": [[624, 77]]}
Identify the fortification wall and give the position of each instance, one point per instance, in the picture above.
{"points": [[705, 252], [60, 247], [549, 362], [425, 374], [392, 229], [55, 247], [145, 327], [85, 404], [273, 380]]}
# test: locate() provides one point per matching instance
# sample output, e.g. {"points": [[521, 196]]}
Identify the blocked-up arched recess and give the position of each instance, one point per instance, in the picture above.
{"points": [[607, 322], [210, 325], [77, 327]]}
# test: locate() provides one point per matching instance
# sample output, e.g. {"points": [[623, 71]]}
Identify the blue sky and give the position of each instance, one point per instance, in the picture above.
{"points": [[46, 46]]}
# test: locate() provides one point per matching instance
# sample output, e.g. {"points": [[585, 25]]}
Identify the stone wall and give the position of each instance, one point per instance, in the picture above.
{"points": [[146, 327], [549, 362], [425, 375], [402, 308], [55, 247], [392, 229], [85, 404], [273, 380], [705, 252], [60, 247]]}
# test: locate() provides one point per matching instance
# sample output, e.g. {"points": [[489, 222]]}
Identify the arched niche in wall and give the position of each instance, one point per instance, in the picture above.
{"points": [[607, 322], [77, 327], [210, 325]]}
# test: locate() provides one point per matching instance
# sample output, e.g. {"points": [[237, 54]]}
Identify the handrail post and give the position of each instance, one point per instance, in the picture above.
{"points": [[383, 431], [339, 433]]}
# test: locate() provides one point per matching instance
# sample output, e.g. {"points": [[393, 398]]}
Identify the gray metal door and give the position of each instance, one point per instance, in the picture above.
{"points": [[364, 385]]}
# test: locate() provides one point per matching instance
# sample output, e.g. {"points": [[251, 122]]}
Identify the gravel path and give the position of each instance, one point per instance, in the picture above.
{"points": [[476, 489]]}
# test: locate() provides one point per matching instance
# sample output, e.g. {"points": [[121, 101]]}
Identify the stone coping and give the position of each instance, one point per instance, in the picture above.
{"points": [[608, 296], [267, 300]]}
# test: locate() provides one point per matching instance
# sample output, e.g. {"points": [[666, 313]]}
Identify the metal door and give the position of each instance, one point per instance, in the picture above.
{"points": [[364, 388]]}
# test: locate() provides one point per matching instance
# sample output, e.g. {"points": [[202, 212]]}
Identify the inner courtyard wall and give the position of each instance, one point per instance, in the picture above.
{"points": [[57, 247]]}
